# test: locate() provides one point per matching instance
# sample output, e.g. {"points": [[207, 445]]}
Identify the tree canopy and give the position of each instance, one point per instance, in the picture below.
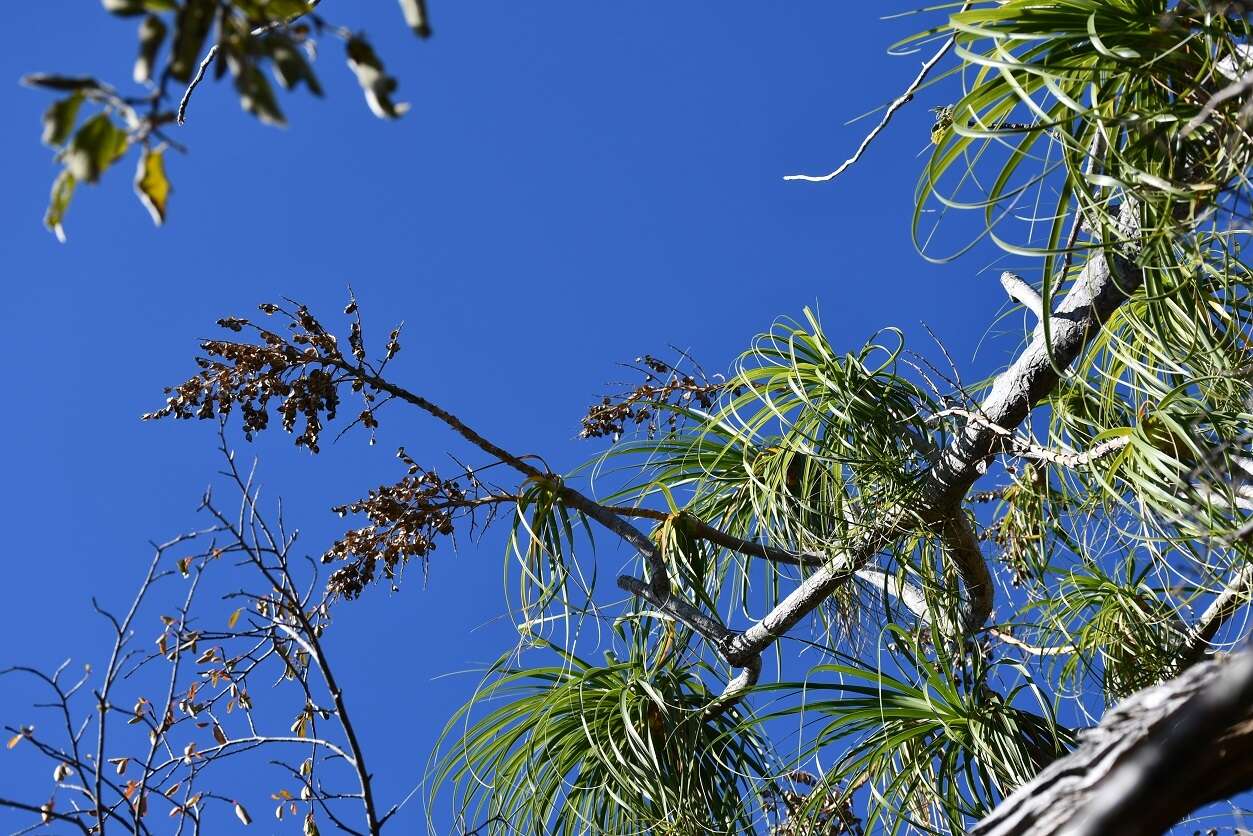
{"points": [[996, 584]]}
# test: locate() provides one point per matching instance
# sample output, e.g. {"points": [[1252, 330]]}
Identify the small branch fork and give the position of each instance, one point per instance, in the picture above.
{"points": [[1015, 444], [658, 590], [283, 626]]}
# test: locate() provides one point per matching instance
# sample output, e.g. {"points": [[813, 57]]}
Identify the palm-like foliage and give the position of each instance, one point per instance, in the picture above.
{"points": [[1102, 129], [624, 747], [931, 734], [1096, 99], [804, 445]]}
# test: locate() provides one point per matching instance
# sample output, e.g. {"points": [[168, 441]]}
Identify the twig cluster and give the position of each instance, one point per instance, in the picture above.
{"points": [[220, 696]]}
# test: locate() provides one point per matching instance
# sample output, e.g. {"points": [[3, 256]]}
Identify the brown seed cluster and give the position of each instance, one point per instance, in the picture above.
{"points": [[661, 399], [404, 521], [298, 375], [831, 815]]}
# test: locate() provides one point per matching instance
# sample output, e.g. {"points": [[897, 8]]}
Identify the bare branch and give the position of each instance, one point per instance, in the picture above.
{"points": [[899, 102], [49, 814], [1020, 446]]}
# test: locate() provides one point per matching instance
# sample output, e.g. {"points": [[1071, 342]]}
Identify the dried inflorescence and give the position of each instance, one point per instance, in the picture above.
{"points": [[660, 399], [301, 373], [820, 812], [405, 519]]}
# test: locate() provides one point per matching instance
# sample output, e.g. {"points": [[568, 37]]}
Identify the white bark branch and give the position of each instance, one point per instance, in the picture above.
{"points": [[1220, 610], [1023, 293], [899, 102], [1104, 283]]}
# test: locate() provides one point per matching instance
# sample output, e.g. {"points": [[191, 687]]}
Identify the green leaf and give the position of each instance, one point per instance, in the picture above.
{"points": [[290, 66], [191, 27], [62, 191], [377, 85], [95, 147], [59, 119], [256, 96], [151, 184], [286, 9], [129, 8], [64, 83], [415, 16], [151, 34]]}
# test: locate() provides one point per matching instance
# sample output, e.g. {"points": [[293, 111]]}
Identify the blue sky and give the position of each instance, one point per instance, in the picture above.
{"points": [[577, 184]]}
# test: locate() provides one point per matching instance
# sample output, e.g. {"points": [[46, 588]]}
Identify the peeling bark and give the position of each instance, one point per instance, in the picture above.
{"points": [[1156, 756]]}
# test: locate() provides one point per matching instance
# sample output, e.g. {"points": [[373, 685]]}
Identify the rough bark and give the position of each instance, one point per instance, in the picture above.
{"points": [[1156, 756]]}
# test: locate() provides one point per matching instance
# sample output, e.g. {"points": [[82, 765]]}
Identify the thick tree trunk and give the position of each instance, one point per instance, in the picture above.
{"points": [[1155, 757]]}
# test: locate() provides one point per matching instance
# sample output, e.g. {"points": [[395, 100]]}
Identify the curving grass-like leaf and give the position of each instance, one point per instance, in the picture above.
{"points": [[627, 747], [927, 733]]}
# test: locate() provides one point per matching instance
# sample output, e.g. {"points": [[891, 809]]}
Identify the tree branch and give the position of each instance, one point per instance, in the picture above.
{"points": [[1155, 757], [51, 815], [1224, 605], [708, 627], [1020, 446], [1023, 293], [962, 545], [1104, 283], [606, 517], [899, 102]]}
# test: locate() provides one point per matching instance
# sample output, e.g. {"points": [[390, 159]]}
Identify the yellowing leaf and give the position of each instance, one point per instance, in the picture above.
{"points": [[234, 618], [14, 740], [151, 185], [59, 202]]}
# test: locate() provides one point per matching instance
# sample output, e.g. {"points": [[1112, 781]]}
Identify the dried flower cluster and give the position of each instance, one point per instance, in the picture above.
{"points": [[301, 373], [661, 399], [832, 815], [404, 521]]}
